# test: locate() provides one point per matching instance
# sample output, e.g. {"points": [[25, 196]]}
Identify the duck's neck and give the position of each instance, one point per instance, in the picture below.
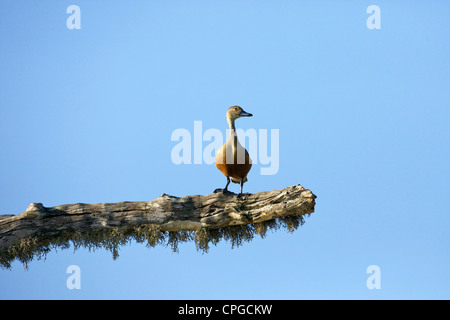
{"points": [[231, 125]]}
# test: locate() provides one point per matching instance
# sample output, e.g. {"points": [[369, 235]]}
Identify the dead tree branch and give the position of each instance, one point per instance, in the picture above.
{"points": [[166, 220]]}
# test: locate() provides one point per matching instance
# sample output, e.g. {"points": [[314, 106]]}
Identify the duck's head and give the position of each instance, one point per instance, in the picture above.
{"points": [[236, 112]]}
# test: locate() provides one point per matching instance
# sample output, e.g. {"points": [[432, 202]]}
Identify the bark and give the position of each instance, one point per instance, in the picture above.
{"points": [[181, 218]]}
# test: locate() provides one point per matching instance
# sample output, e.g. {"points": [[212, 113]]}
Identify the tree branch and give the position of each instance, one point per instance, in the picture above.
{"points": [[167, 219]]}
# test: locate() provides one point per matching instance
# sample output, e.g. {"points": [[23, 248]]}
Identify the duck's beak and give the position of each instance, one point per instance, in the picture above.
{"points": [[245, 114]]}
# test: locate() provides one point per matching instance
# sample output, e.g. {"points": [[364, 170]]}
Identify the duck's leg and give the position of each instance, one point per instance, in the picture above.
{"points": [[242, 185], [224, 190]]}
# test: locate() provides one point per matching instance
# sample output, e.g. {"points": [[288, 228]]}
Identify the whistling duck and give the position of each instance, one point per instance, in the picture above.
{"points": [[232, 159]]}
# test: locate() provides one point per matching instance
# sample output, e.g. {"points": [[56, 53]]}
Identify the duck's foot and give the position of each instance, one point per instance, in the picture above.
{"points": [[224, 191], [242, 195]]}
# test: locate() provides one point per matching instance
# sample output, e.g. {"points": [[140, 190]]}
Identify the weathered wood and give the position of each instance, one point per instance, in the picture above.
{"points": [[168, 213]]}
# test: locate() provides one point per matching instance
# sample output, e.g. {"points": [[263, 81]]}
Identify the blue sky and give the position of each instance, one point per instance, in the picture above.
{"points": [[87, 116]]}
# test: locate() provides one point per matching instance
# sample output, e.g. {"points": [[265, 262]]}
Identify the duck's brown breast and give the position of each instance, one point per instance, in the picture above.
{"points": [[237, 164]]}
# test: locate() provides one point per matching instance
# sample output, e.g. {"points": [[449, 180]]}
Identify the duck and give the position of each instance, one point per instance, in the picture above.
{"points": [[232, 159]]}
